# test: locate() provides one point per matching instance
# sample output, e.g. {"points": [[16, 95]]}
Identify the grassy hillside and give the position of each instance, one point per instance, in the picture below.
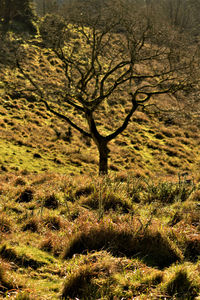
{"points": [[67, 233], [33, 140]]}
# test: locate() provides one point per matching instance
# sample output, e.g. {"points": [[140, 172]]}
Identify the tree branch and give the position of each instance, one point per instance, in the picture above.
{"points": [[61, 116], [126, 121]]}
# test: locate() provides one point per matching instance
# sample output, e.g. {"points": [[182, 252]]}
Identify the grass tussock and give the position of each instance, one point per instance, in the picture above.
{"points": [[32, 224], [5, 284], [99, 275], [51, 201], [5, 224], [167, 192], [125, 242], [79, 283], [181, 286], [106, 201], [25, 196]]}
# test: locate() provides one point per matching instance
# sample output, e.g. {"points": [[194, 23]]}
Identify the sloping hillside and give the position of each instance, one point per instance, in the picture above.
{"points": [[67, 233], [34, 140]]}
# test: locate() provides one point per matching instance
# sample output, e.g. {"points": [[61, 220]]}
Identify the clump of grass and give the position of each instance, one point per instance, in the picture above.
{"points": [[192, 248], [180, 286], [153, 279], [135, 189], [24, 296], [5, 284], [167, 192], [85, 190], [5, 224], [20, 181], [78, 283], [196, 195], [51, 201], [53, 243], [25, 196], [167, 132], [53, 222], [154, 248], [175, 218], [89, 277], [102, 276], [32, 224], [108, 200]]}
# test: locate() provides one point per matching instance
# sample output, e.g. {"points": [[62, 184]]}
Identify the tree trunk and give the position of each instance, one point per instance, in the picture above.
{"points": [[103, 158]]}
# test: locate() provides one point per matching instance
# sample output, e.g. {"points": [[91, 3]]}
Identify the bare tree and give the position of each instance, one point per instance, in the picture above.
{"points": [[100, 59]]}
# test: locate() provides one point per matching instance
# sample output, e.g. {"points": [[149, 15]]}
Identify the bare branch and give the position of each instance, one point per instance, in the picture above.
{"points": [[61, 116], [126, 121]]}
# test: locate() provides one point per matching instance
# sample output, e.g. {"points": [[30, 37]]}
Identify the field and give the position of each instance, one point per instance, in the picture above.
{"points": [[67, 233]]}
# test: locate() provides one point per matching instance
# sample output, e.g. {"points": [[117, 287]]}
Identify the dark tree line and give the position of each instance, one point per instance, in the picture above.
{"points": [[17, 15]]}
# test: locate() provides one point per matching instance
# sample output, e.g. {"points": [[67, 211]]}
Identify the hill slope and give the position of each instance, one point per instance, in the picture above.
{"points": [[67, 233], [34, 140]]}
